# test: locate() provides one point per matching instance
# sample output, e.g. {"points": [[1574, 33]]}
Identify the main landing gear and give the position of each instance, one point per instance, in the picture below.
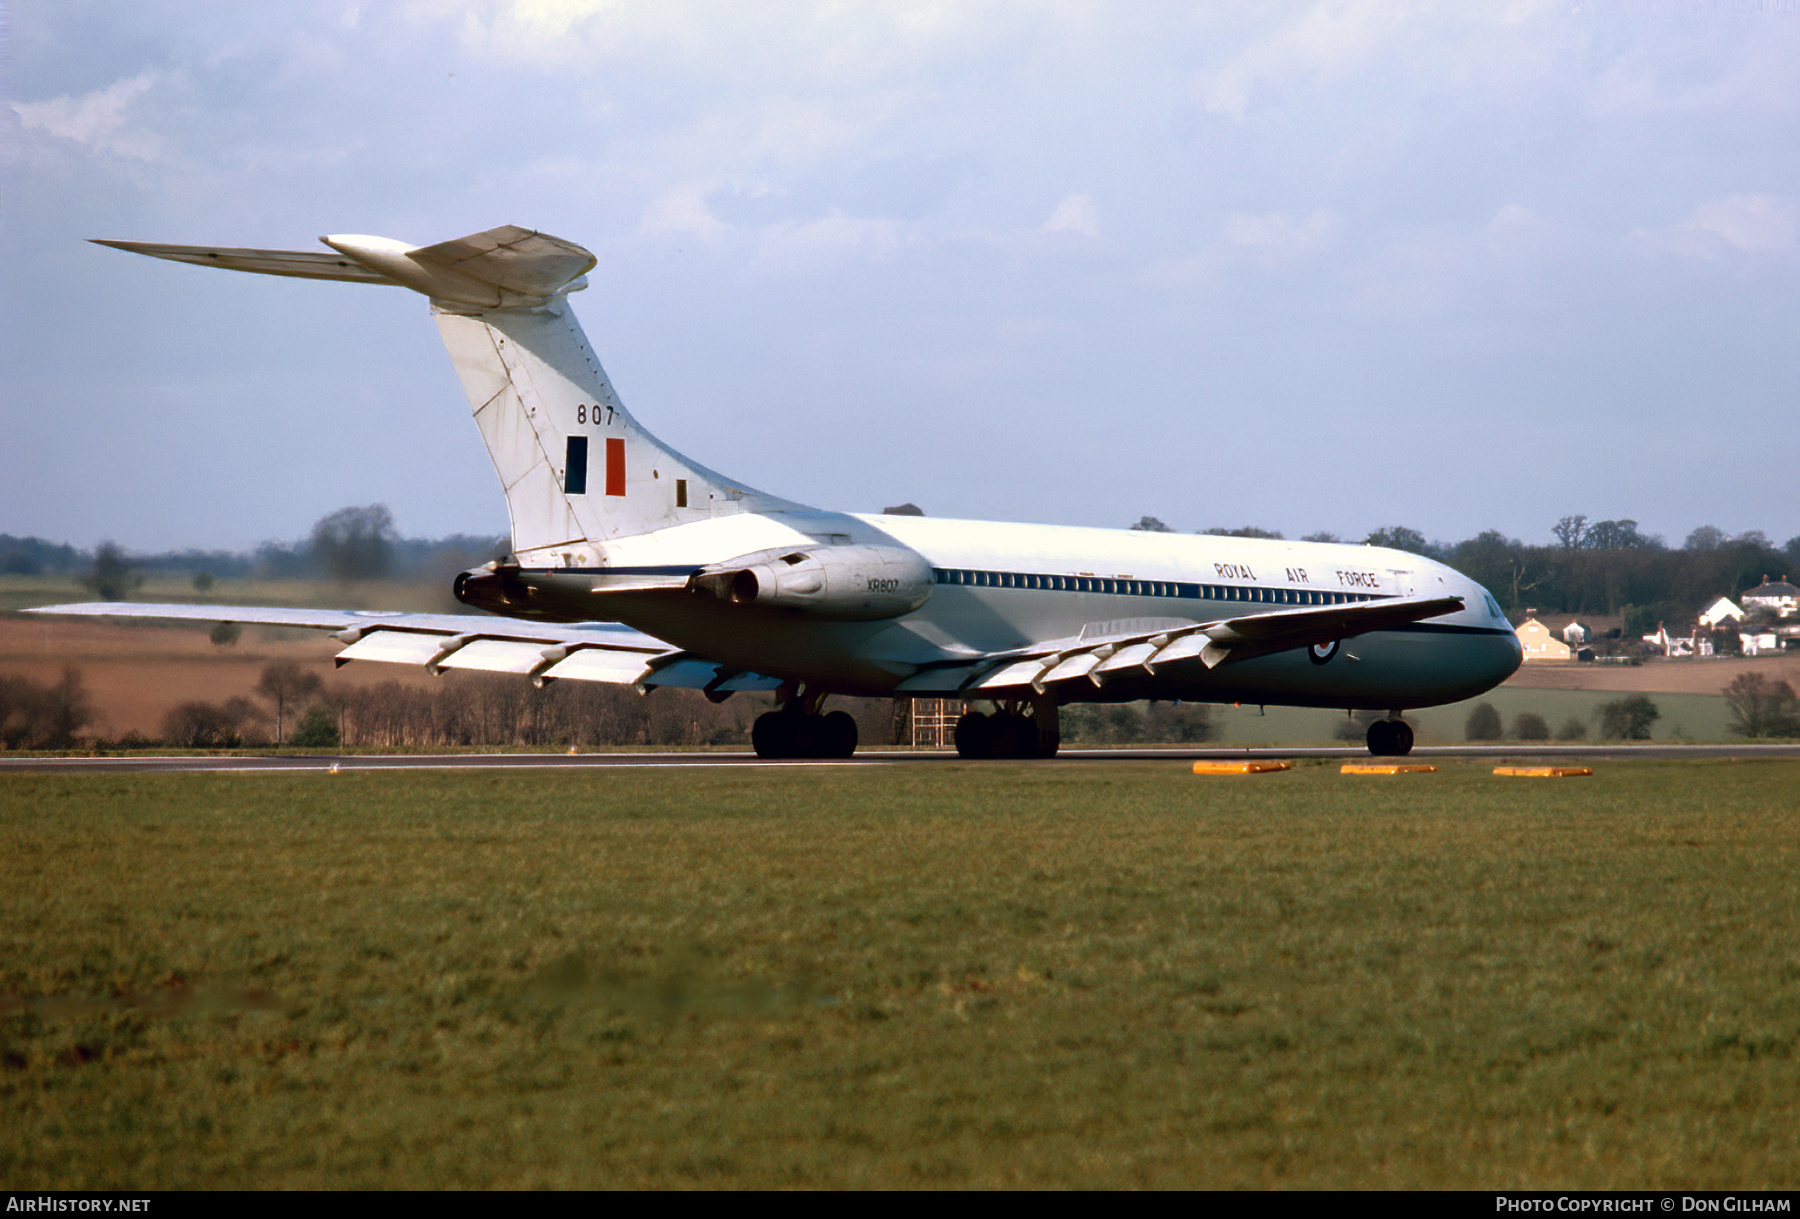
{"points": [[1010, 732], [799, 731], [1391, 738]]}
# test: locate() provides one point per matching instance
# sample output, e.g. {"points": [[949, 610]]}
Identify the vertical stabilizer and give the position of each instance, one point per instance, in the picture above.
{"points": [[576, 467]]}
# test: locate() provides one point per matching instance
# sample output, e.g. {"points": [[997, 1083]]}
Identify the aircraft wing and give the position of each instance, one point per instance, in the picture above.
{"points": [[597, 651], [1101, 657]]}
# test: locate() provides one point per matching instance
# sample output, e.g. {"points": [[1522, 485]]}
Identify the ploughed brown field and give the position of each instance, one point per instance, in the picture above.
{"points": [[136, 674]]}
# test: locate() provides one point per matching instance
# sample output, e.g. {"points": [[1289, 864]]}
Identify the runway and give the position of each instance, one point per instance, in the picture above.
{"points": [[328, 764]]}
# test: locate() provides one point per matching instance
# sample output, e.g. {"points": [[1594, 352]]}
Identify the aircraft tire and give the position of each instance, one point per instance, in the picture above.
{"points": [[1390, 738], [1382, 739], [837, 735], [769, 735], [973, 738], [1024, 737], [803, 732], [1002, 736]]}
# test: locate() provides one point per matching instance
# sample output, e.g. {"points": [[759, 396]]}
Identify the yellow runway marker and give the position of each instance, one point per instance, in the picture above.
{"points": [[1386, 768], [1543, 772], [1240, 768]]}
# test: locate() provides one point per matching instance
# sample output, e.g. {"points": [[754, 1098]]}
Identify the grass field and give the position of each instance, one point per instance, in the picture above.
{"points": [[985, 975], [420, 596], [1684, 717]]}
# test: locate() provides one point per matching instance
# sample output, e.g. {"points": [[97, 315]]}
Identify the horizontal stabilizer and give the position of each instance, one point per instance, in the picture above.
{"points": [[303, 264], [512, 259], [504, 268]]}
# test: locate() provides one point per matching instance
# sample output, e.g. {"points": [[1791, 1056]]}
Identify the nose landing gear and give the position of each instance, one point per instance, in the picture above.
{"points": [[1390, 738]]}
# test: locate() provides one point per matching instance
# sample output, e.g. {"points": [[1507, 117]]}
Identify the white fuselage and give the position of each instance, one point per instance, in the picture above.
{"points": [[1000, 586]]}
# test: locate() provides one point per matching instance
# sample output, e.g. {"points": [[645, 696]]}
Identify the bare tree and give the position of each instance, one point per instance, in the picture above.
{"points": [[1571, 532], [1762, 708], [285, 683]]}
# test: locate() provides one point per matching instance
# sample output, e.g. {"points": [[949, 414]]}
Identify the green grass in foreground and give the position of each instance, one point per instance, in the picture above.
{"points": [[950, 975]]}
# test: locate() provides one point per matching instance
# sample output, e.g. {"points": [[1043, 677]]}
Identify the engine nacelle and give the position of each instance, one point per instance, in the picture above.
{"points": [[844, 583], [493, 588]]}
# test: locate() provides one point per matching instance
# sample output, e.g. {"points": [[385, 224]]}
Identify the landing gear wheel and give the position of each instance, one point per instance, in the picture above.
{"points": [[794, 734], [769, 735], [1390, 738], [972, 737], [837, 735], [1403, 738], [1012, 735], [1004, 734]]}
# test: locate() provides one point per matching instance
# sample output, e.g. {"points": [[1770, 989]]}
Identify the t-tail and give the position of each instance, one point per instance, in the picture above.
{"points": [[577, 469]]}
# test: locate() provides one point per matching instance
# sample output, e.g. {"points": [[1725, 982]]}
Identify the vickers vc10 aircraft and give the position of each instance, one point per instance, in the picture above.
{"points": [[632, 563]]}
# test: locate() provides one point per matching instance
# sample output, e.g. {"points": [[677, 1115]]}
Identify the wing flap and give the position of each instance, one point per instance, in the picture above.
{"points": [[393, 647], [498, 656], [1018, 673], [600, 664]]}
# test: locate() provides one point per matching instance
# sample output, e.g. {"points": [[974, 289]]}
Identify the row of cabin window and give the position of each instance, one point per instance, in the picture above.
{"points": [[1146, 588]]}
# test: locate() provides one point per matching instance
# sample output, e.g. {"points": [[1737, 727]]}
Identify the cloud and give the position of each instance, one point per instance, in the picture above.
{"points": [[684, 210], [1075, 214], [1277, 237], [1754, 224], [1334, 42], [96, 120]]}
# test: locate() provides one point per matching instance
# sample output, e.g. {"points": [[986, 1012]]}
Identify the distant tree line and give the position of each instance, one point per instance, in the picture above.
{"points": [[1589, 566], [464, 709], [347, 545], [1159, 723], [38, 716]]}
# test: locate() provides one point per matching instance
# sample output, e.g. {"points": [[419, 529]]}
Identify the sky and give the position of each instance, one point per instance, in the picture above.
{"points": [[1307, 266]]}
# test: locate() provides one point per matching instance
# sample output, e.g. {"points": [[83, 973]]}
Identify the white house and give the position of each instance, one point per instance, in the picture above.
{"points": [[1719, 613], [1776, 596]]}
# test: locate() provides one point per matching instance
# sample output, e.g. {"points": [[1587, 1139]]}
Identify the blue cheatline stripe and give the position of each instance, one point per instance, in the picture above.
{"points": [[575, 467], [1112, 587]]}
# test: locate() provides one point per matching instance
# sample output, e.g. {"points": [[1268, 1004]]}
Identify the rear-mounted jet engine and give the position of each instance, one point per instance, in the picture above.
{"points": [[837, 583]]}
